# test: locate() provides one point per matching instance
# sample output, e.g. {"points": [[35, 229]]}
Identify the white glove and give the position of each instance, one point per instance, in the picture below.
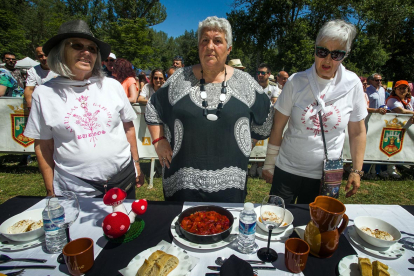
{"points": [[271, 154]]}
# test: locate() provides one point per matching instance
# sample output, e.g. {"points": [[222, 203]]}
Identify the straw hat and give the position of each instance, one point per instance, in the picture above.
{"points": [[236, 63], [76, 28]]}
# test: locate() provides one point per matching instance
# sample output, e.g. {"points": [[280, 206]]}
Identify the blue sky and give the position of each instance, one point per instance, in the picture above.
{"points": [[185, 15]]}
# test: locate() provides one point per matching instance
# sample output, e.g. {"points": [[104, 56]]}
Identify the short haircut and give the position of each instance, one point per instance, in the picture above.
{"points": [[263, 65], [219, 24], [3, 56], [180, 58], [371, 77], [56, 62], [337, 30]]}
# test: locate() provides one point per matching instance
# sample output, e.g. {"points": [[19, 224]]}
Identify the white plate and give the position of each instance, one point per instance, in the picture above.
{"points": [[275, 237], [9, 245], [220, 244], [348, 266], [393, 252], [288, 218], [35, 215], [185, 265]]}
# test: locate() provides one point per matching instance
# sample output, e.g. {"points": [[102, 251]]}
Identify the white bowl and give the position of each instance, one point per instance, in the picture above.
{"points": [[22, 237], [288, 219], [375, 223]]}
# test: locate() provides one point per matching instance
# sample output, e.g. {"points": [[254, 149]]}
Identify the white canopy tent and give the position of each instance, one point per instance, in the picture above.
{"points": [[26, 63]]}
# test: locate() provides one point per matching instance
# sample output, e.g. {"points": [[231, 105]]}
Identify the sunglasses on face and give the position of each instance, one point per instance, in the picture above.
{"points": [[41, 56], [378, 80], [158, 78], [80, 47], [110, 60], [261, 73], [10, 59], [322, 52]]}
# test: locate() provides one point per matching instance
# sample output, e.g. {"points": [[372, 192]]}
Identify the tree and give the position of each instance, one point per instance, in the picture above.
{"points": [[12, 36], [187, 47], [151, 10]]}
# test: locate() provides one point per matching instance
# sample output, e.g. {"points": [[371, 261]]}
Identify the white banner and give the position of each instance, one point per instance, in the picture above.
{"points": [[389, 137]]}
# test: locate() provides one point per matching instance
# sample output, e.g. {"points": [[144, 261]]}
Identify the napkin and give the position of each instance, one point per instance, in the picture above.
{"points": [[235, 266]]}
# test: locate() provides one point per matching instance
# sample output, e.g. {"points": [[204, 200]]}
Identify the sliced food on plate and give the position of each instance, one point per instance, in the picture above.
{"points": [[158, 264]]}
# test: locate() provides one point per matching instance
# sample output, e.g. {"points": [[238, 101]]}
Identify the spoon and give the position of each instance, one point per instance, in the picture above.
{"points": [[6, 259], [220, 261]]}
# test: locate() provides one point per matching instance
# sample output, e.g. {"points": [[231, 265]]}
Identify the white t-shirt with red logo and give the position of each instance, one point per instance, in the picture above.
{"points": [[301, 152], [86, 124]]}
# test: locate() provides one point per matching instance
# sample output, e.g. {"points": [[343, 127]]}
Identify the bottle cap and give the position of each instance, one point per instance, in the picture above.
{"points": [[248, 206]]}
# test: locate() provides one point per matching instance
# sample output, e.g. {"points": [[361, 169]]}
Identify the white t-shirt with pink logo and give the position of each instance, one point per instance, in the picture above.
{"points": [[85, 120], [301, 152]]}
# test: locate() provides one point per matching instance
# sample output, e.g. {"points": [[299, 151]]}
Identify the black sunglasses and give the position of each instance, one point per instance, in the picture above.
{"points": [[158, 78], [377, 80], [80, 47], [322, 52], [261, 73]]}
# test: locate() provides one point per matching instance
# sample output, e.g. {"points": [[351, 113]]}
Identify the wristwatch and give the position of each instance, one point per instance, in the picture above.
{"points": [[361, 173]]}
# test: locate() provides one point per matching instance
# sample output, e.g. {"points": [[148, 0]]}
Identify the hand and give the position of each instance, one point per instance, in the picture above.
{"points": [[268, 176], [382, 111], [138, 182], [50, 193], [354, 179], [164, 152]]}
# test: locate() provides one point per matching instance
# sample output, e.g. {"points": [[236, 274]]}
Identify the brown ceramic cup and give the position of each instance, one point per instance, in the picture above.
{"points": [[79, 256], [296, 254]]}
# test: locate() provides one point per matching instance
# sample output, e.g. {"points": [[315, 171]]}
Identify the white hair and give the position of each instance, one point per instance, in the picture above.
{"points": [[56, 62], [337, 30], [219, 24]]}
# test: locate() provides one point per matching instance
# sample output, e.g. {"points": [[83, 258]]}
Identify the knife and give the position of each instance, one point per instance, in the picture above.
{"points": [[27, 267], [217, 268]]}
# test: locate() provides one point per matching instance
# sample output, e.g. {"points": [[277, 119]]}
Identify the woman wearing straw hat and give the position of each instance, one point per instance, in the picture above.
{"points": [[82, 121], [236, 63]]}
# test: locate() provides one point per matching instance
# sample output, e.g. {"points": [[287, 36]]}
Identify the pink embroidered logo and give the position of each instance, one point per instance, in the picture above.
{"points": [[331, 119], [88, 121]]}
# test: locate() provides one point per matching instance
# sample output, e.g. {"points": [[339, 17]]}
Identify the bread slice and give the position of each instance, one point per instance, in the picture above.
{"points": [[158, 264], [379, 269], [167, 263], [365, 266]]}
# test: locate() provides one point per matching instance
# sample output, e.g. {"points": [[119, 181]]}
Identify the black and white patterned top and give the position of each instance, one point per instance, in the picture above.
{"points": [[209, 157]]}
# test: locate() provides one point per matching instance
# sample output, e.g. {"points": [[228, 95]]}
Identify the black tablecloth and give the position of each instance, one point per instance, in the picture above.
{"points": [[158, 219]]}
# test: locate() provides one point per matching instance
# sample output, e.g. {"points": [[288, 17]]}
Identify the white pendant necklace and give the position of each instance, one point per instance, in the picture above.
{"points": [[203, 94]]}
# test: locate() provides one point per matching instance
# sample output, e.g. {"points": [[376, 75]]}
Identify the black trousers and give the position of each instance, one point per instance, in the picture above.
{"points": [[291, 187]]}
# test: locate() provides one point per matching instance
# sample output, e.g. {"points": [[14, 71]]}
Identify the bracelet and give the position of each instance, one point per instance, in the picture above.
{"points": [[136, 161], [158, 139], [360, 173]]}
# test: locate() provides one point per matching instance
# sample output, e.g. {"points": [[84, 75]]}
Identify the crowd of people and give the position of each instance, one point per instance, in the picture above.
{"points": [[204, 119]]}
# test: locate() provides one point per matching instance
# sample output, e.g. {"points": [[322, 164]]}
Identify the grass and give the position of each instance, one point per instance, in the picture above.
{"points": [[17, 180]]}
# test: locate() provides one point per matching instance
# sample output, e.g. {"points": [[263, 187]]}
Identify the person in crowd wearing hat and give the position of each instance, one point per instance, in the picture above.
{"points": [[400, 100], [178, 62], [272, 80], [11, 85], [325, 94], [263, 73], [109, 65], [37, 75], [282, 77], [82, 121], [124, 73], [236, 63]]}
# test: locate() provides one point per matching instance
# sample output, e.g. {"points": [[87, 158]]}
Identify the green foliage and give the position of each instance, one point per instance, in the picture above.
{"points": [[187, 47], [12, 36], [152, 10], [129, 39]]}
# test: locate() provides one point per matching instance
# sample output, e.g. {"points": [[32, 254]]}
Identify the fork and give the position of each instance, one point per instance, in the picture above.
{"points": [[16, 273]]}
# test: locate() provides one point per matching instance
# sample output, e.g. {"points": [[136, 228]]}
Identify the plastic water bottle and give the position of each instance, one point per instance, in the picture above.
{"points": [[55, 236], [247, 229]]}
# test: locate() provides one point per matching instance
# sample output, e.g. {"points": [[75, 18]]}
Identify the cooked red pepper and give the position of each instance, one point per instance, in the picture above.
{"points": [[205, 223]]}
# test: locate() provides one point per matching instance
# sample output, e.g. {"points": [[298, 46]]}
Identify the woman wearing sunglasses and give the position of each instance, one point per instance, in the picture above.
{"points": [[156, 81], [82, 121], [125, 74], [294, 164]]}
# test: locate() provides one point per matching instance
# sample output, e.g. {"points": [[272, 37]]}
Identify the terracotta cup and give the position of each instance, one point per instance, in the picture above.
{"points": [[79, 256], [296, 254]]}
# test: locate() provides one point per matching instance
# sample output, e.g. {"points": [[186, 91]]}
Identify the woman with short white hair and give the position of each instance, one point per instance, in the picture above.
{"points": [[202, 121], [82, 121], [326, 94]]}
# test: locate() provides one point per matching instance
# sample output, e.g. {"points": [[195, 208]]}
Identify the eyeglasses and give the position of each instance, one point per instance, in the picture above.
{"points": [[158, 78], [10, 59], [40, 56], [110, 60], [378, 80], [261, 73], [80, 47], [322, 52]]}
